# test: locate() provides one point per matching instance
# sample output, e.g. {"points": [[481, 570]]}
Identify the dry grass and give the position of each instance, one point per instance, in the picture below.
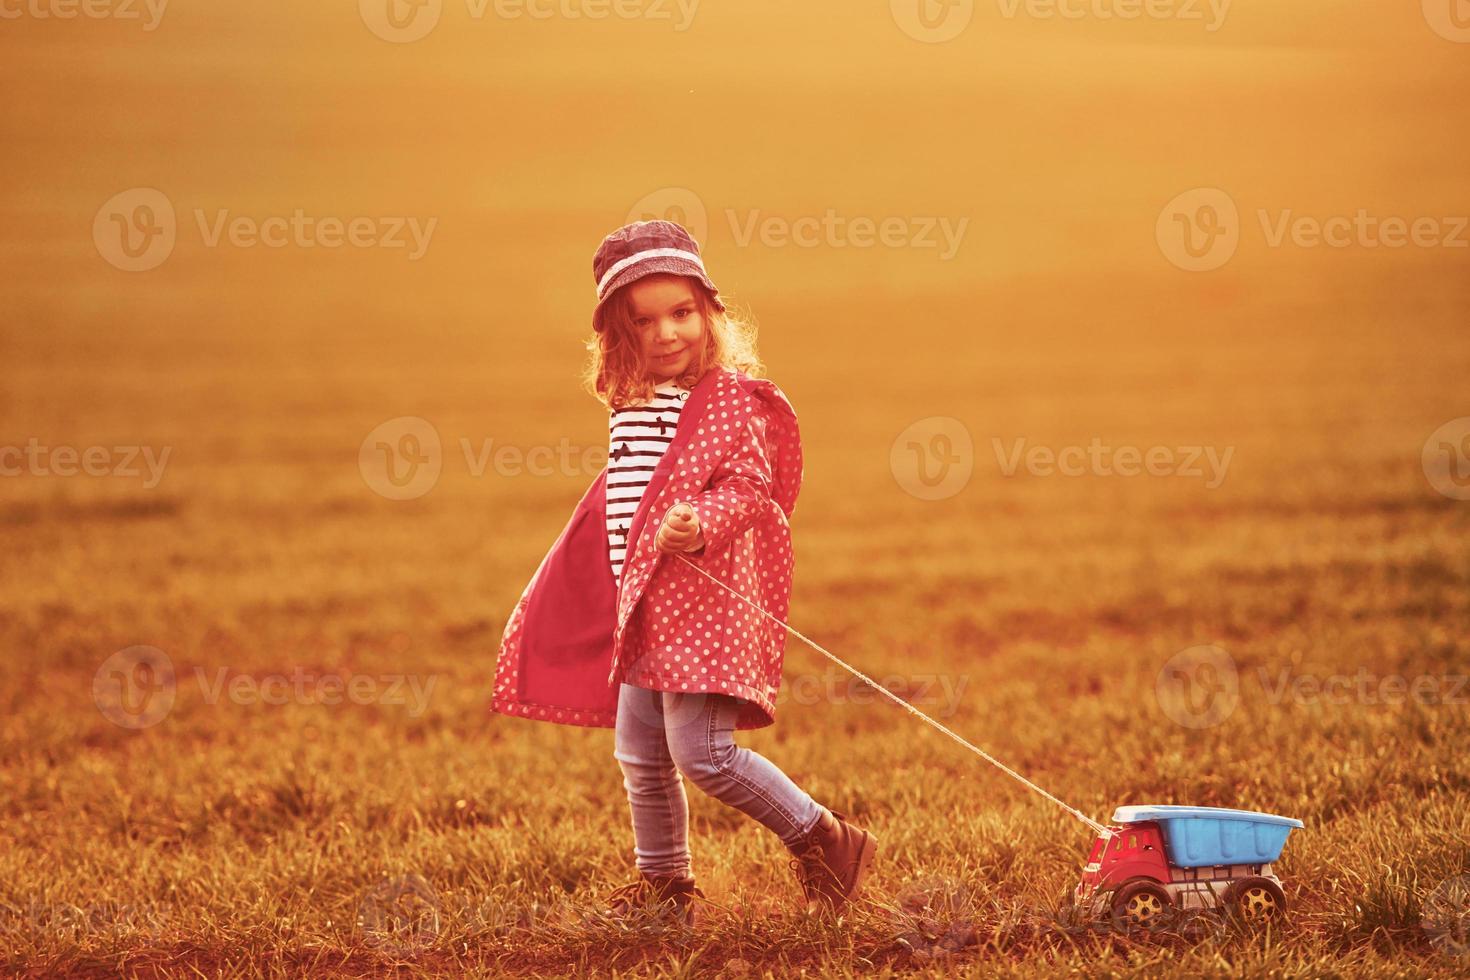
{"points": [[238, 838], [247, 839]]}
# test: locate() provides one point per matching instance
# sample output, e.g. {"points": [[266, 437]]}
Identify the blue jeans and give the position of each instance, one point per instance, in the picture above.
{"points": [[660, 734]]}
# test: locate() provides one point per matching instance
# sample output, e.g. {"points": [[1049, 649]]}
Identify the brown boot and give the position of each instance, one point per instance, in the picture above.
{"points": [[665, 896], [832, 859]]}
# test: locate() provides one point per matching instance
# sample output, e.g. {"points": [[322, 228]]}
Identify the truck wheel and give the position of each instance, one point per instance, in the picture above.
{"points": [[1255, 900], [1141, 905]]}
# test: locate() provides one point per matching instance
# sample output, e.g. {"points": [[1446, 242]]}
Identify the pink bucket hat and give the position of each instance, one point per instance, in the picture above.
{"points": [[643, 248]]}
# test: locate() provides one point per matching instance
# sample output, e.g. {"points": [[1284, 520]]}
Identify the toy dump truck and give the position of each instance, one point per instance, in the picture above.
{"points": [[1156, 862]]}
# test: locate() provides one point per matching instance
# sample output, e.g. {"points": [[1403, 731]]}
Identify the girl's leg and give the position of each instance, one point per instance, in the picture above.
{"points": [[700, 729], [655, 790]]}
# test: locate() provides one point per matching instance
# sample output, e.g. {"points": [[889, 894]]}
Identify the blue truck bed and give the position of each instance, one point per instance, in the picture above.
{"points": [[1201, 836]]}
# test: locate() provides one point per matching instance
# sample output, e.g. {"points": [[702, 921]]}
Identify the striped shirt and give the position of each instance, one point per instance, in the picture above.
{"points": [[637, 438]]}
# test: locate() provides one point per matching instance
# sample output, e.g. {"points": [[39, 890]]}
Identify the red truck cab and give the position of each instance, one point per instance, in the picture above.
{"points": [[1123, 854]]}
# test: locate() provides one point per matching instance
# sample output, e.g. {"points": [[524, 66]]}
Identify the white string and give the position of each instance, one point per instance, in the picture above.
{"points": [[1100, 828]]}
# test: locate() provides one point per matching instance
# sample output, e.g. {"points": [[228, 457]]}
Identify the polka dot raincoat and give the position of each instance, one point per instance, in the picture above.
{"points": [[576, 631]]}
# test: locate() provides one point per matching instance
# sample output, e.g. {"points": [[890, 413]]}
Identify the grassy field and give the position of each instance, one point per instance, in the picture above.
{"points": [[253, 818], [234, 835]]}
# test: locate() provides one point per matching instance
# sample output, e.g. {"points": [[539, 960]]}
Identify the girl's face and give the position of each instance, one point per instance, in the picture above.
{"points": [[669, 325]]}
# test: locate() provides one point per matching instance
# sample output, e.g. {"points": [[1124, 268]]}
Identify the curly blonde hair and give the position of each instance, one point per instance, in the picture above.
{"points": [[615, 374]]}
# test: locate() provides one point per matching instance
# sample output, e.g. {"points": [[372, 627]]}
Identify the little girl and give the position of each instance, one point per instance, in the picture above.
{"points": [[621, 626]]}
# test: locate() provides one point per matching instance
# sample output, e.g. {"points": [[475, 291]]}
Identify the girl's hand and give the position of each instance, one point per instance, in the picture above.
{"points": [[680, 530]]}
